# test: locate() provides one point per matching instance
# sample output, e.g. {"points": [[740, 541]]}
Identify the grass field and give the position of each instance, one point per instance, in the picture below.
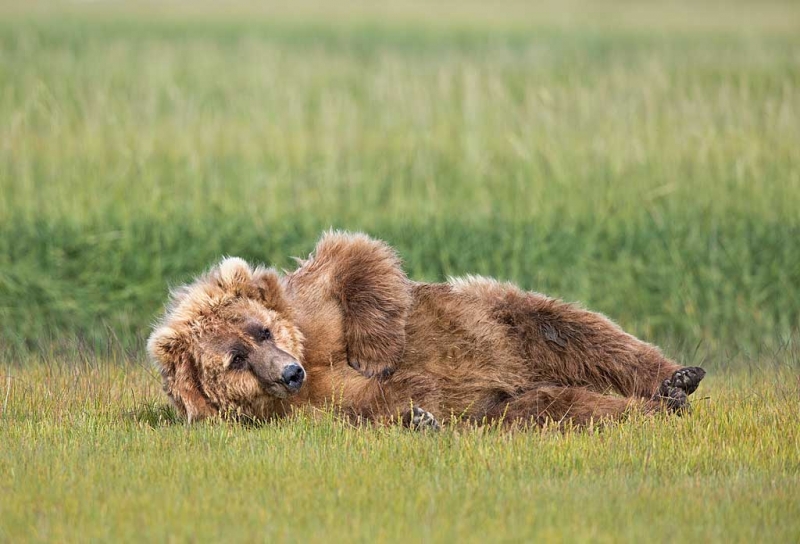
{"points": [[639, 157], [89, 454]]}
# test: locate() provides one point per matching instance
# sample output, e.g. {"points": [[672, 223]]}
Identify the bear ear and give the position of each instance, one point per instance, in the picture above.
{"points": [[171, 351], [269, 290], [165, 345], [231, 273]]}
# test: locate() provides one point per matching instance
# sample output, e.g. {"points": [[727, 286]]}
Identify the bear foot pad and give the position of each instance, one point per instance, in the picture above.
{"points": [[420, 420], [686, 379], [673, 399]]}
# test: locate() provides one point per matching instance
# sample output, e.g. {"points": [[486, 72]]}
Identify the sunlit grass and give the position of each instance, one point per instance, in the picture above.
{"points": [[91, 451]]}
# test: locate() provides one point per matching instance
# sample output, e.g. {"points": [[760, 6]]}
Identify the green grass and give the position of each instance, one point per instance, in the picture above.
{"points": [[89, 453], [638, 157]]}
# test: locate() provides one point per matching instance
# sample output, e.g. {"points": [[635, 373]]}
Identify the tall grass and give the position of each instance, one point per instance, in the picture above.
{"points": [[653, 176]]}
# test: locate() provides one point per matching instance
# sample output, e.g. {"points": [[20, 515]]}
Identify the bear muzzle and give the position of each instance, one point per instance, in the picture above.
{"points": [[293, 376], [278, 373]]}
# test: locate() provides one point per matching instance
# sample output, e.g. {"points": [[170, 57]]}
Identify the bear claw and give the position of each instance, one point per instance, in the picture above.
{"points": [[673, 399], [364, 371], [687, 379], [420, 420]]}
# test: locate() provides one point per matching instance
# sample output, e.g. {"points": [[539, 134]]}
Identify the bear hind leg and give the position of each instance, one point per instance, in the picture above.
{"points": [[581, 406]]}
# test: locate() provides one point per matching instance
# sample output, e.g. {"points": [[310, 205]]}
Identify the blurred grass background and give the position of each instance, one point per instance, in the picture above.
{"points": [[639, 157]]}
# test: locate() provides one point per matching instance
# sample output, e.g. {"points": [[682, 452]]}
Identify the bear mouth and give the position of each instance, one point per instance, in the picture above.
{"points": [[277, 389]]}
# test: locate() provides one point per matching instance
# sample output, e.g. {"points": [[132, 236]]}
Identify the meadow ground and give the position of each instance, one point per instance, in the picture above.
{"points": [[638, 157]]}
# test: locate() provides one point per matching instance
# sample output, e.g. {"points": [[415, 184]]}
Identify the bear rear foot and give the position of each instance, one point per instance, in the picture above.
{"points": [[686, 379], [672, 399]]}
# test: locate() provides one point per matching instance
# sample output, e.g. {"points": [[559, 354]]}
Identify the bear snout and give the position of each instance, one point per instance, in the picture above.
{"points": [[293, 376]]}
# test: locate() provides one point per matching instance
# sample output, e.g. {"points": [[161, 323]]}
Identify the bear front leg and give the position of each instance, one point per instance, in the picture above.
{"points": [[365, 277], [375, 298], [418, 419], [373, 352]]}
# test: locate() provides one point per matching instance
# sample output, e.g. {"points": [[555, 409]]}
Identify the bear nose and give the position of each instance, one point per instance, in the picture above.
{"points": [[293, 376]]}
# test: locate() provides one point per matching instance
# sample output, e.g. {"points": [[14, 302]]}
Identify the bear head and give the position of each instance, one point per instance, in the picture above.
{"points": [[227, 344]]}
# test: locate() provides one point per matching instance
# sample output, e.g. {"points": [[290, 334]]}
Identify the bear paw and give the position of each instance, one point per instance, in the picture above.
{"points": [[672, 399], [364, 370], [418, 419], [686, 379]]}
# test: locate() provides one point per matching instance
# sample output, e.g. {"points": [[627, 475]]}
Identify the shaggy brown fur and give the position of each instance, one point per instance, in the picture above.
{"points": [[375, 343]]}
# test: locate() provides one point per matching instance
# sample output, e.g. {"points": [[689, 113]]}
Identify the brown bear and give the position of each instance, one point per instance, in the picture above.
{"points": [[349, 329]]}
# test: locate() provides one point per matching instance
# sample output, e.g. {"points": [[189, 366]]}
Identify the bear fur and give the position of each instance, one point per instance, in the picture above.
{"points": [[375, 344]]}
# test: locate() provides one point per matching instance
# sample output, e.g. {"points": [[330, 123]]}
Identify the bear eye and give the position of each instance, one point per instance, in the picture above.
{"points": [[238, 361], [266, 334]]}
